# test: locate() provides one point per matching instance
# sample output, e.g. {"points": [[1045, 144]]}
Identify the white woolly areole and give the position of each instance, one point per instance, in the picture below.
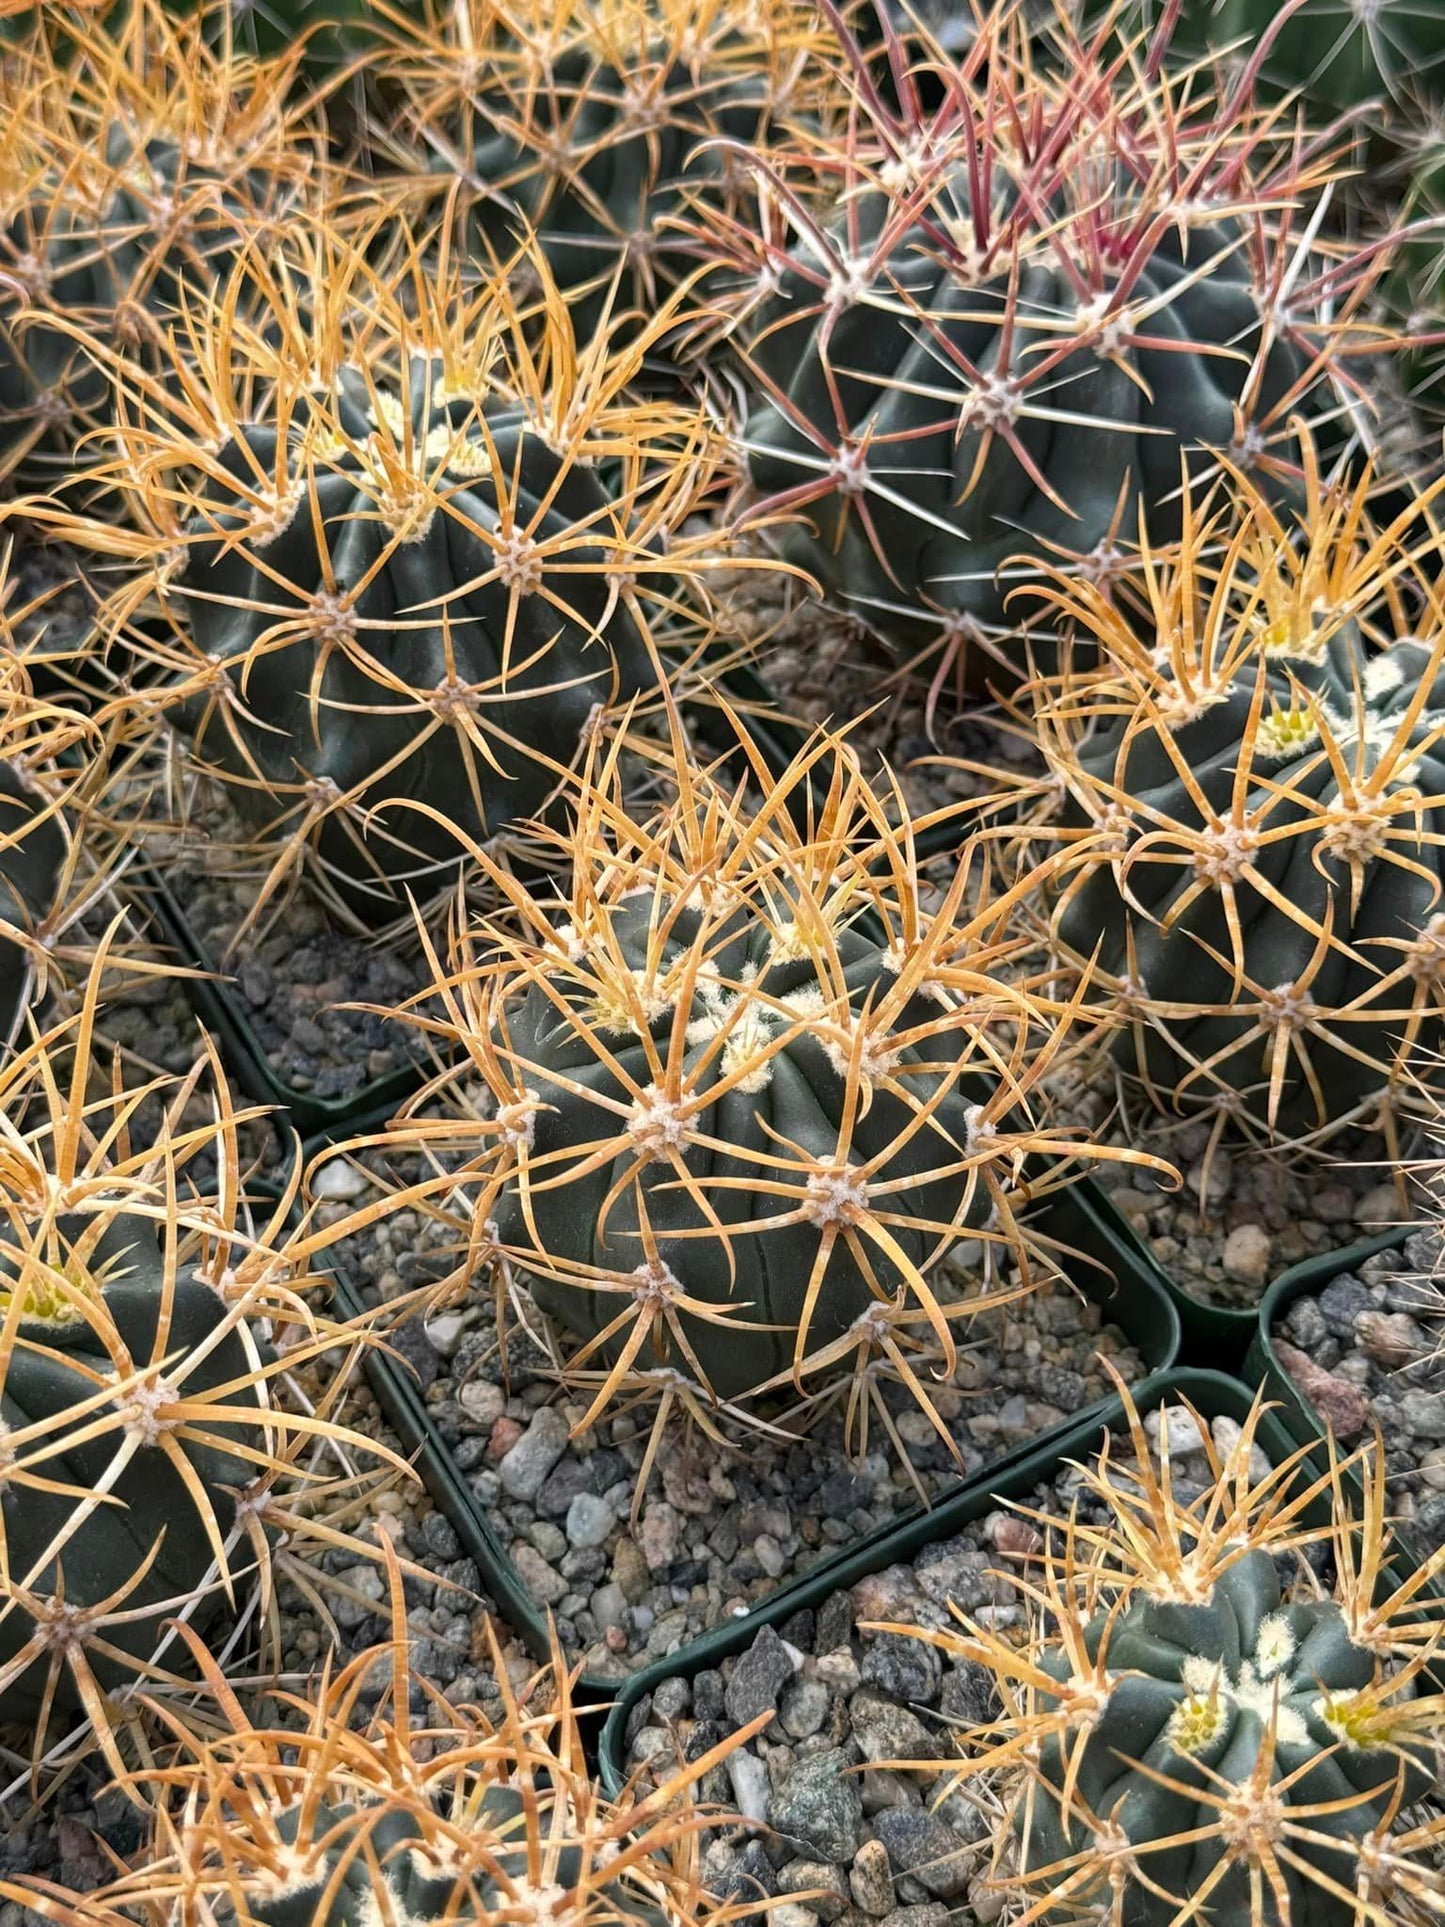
{"points": [[755, 1027], [141, 1410], [462, 454], [519, 1121], [656, 1124], [519, 561], [836, 1198]]}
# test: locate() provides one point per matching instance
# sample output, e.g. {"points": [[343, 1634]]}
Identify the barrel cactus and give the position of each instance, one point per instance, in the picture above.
{"points": [[595, 122], [1253, 801], [1197, 1726], [137, 166], [146, 1332], [412, 571], [743, 1092], [444, 1815], [1000, 347]]}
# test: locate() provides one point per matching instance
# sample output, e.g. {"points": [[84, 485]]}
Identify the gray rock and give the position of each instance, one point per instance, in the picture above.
{"points": [[751, 1789], [589, 1520], [905, 1669], [882, 1790], [671, 1700], [544, 1582], [364, 1580], [803, 1706], [931, 1913], [535, 1453], [609, 1606], [870, 1879], [482, 1401], [758, 1678], [805, 1877], [886, 1731], [440, 1536], [821, 1807], [1305, 1324], [919, 1843], [1341, 1303], [835, 1623], [1424, 1413]]}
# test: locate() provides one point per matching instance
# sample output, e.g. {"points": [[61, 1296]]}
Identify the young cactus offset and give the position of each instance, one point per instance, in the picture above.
{"points": [[744, 1091], [993, 353], [595, 124], [448, 1815], [414, 574], [1255, 810], [1185, 1732], [134, 167]]}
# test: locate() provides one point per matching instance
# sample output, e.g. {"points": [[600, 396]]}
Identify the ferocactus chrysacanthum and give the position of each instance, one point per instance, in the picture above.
{"points": [[743, 1090], [135, 165], [593, 123], [1195, 1727], [990, 354], [409, 536], [1255, 805]]}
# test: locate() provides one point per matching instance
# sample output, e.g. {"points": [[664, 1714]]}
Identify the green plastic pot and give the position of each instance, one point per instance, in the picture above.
{"points": [[1113, 1270], [1263, 1365], [1213, 1394], [218, 1004]]}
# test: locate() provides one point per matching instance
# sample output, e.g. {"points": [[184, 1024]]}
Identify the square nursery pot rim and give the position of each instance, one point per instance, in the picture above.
{"points": [[1079, 1215], [216, 1001], [1265, 1367], [1213, 1394]]}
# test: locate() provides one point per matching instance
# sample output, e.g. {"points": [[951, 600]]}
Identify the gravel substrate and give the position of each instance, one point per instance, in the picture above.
{"points": [[718, 1528], [821, 1813], [1369, 1351], [1234, 1226], [292, 978]]}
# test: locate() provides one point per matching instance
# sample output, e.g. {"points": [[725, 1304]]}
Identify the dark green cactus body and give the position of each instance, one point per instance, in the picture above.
{"points": [[914, 438], [1340, 54], [793, 1106], [57, 1366], [416, 1892], [116, 270], [630, 162], [1195, 1690], [1413, 293], [426, 614], [31, 856], [1361, 701]]}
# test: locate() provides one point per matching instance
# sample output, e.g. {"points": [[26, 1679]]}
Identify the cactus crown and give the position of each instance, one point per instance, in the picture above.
{"points": [[590, 122], [399, 517], [151, 1456], [137, 162]]}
